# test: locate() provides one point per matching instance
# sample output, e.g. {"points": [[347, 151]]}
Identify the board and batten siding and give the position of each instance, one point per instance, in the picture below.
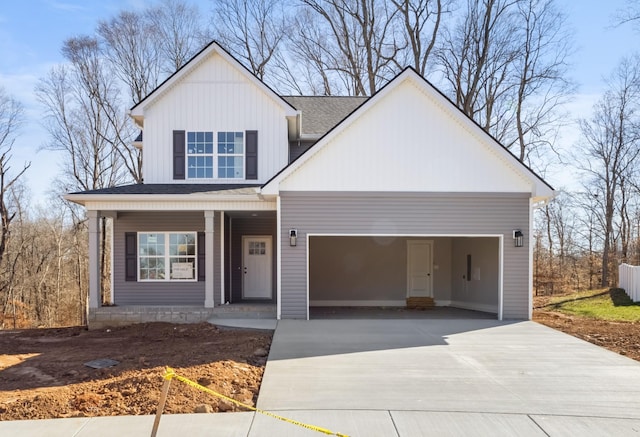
{"points": [[404, 214], [214, 96], [156, 293]]}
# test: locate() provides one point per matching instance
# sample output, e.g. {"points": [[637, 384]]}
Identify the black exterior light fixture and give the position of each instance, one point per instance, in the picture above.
{"points": [[293, 237], [518, 237]]}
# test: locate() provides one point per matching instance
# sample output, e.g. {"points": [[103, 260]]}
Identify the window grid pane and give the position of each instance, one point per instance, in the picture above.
{"points": [[163, 256], [199, 155], [230, 155]]}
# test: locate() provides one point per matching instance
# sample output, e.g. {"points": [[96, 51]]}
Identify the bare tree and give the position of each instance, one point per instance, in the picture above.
{"points": [[253, 30], [361, 41], [10, 120], [477, 61], [611, 148], [179, 31], [132, 47], [421, 20], [541, 70]]}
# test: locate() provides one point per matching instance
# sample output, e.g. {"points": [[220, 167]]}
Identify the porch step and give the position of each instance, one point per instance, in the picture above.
{"points": [[420, 303], [244, 311]]}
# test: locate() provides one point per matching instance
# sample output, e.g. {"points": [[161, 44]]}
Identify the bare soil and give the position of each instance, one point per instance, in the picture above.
{"points": [[619, 337], [43, 375], [42, 371]]}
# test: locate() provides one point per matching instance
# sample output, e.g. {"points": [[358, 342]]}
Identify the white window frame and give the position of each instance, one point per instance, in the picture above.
{"points": [[231, 155], [212, 155], [167, 256], [216, 155]]}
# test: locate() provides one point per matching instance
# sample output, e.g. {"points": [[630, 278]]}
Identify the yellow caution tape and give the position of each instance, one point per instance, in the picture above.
{"points": [[170, 374]]}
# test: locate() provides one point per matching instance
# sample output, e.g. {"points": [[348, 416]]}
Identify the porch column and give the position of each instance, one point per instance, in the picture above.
{"points": [[208, 259], [94, 258]]}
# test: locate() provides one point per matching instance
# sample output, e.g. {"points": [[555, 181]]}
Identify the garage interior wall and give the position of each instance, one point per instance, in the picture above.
{"points": [[370, 269], [481, 291]]}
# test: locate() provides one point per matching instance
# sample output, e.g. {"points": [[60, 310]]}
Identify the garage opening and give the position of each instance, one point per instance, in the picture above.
{"points": [[383, 272]]}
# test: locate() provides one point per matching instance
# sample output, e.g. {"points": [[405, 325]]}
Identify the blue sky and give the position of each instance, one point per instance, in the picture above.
{"points": [[32, 32]]}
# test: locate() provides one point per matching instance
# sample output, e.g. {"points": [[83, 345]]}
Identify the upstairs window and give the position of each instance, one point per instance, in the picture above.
{"points": [[230, 155], [200, 155]]}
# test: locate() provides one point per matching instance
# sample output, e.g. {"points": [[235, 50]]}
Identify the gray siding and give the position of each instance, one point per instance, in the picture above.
{"points": [[250, 226], [407, 214], [154, 293], [297, 148]]}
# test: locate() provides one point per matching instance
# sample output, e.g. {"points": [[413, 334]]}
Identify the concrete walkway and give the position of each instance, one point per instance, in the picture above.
{"points": [[413, 378]]}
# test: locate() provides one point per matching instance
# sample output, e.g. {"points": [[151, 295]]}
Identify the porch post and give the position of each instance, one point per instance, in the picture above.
{"points": [[208, 259], [94, 258]]}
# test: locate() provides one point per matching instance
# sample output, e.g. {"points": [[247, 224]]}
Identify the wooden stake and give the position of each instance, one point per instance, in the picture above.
{"points": [[163, 400]]}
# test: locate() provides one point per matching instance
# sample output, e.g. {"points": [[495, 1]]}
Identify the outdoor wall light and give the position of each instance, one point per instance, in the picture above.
{"points": [[293, 237], [518, 237]]}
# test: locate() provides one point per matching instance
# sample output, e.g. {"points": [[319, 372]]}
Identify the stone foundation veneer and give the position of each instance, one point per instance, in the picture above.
{"points": [[111, 316]]}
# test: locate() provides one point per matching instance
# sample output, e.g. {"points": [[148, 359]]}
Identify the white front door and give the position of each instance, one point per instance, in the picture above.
{"points": [[419, 268], [256, 267]]}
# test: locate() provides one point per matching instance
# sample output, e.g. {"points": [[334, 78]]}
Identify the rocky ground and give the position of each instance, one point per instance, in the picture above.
{"points": [[43, 375]]}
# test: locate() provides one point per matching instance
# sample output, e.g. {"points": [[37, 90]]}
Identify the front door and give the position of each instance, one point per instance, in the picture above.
{"points": [[256, 267], [419, 268]]}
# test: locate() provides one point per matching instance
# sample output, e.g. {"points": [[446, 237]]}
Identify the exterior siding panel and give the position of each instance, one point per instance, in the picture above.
{"points": [[153, 293], [215, 96], [404, 214]]}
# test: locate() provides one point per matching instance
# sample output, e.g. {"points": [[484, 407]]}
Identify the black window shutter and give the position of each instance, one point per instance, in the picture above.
{"points": [[178, 154], [131, 256], [251, 154], [201, 251]]}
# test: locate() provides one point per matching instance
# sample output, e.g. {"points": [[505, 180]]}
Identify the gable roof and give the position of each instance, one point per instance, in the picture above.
{"points": [[137, 110], [541, 190], [319, 114]]}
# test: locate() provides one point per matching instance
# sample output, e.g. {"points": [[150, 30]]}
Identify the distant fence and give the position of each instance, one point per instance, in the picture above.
{"points": [[629, 280]]}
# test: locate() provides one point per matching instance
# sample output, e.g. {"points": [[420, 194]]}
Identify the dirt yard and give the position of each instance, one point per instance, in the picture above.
{"points": [[42, 371], [619, 337]]}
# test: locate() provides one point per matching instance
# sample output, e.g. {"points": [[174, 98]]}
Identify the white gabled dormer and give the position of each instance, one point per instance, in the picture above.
{"points": [[213, 122]]}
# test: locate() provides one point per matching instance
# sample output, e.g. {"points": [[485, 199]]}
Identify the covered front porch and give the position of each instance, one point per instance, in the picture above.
{"points": [[183, 258]]}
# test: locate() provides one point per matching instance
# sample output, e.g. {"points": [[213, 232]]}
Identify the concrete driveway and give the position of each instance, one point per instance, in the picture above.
{"points": [[447, 377], [412, 378]]}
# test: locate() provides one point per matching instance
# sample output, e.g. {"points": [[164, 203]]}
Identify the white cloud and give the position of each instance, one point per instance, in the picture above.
{"points": [[65, 6]]}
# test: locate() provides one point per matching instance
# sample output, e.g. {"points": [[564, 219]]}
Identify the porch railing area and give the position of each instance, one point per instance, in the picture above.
{"points": [[629, 280]]}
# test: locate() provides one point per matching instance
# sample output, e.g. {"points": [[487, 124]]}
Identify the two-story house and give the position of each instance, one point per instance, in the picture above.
{"points": [[296, 202]]}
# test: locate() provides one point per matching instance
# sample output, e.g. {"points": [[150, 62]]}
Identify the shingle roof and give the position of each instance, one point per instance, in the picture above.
{"points": [[168, 188], [321, 113]]}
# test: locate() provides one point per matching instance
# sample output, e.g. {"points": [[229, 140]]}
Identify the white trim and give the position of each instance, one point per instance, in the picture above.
{"points": [[530, 245], [501, 277], [177, 205], [485, 308], [464, 305], [308, 250], [112, 273], [278, 249], [222, 247], [358, 303], [167, 257]]}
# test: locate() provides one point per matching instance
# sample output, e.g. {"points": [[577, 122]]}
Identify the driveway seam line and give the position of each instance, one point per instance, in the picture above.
{"points": [[393, 422], [538, 425]]}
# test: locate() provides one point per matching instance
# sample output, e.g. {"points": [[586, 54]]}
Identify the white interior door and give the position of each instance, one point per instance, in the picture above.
{"points": [[256, 267], [419, 268]]}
